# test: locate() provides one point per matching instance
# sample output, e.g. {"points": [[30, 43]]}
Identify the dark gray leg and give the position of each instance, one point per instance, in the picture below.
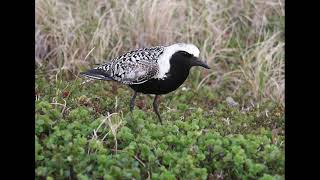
{"points": [[155, 107], [132, 101]]}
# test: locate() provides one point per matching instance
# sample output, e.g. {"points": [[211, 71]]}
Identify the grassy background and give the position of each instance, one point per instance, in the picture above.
{"points": [[243, 41]]}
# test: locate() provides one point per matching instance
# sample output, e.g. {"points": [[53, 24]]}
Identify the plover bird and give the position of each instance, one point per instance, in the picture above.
{"points": [[156, 70]]}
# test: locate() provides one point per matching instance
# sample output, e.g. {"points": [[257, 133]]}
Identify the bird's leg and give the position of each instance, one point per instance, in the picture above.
{"points": [[132, 101], [155, 106]]}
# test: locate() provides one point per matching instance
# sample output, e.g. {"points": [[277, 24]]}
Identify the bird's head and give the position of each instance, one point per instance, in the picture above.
{"points": [[180, 56], [188, 54]]}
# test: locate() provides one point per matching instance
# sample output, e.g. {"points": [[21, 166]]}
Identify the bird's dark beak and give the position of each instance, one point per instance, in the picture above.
{"points": [[198, 62]]}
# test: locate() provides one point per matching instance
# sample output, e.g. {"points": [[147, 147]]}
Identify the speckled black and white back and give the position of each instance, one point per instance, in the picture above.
{"points": [[141, 65], [134, 67]]}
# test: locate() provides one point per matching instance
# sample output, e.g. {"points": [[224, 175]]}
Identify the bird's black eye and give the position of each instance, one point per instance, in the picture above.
{"points": [[184, 53]]}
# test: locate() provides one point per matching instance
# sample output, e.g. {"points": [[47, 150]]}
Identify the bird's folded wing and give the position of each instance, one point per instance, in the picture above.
{"points": [[134, 67], [129, 72]]}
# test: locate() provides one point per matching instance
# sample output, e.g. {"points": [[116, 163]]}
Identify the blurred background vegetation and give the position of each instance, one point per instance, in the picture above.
{"points": [[243, 40]]}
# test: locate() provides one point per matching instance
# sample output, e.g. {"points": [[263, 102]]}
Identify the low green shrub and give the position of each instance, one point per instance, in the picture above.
{"points": [[190, 148]]}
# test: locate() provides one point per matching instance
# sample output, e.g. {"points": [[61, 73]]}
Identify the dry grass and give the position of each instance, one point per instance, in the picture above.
{"points": [[263, 67], [110, 124], [242, 40]]}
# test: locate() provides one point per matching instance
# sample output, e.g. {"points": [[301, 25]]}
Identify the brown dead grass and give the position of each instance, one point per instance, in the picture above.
{"points": [[242, 40]]}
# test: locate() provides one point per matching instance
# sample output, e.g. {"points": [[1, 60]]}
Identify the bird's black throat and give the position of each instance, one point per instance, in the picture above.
{"points": [[178, 73]]}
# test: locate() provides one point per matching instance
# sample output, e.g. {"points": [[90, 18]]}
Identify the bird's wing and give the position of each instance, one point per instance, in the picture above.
{"points": [[134, 67]]}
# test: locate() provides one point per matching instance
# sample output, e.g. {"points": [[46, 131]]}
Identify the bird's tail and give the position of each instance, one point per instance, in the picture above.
{"points": [[98, 74]]}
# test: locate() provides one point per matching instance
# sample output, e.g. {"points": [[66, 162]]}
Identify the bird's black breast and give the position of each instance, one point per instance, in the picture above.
{"points": [[158, 86], [178, 73]]}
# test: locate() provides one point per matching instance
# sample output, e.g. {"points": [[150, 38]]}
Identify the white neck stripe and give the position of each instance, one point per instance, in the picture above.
{"points": [[164, 59]]}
